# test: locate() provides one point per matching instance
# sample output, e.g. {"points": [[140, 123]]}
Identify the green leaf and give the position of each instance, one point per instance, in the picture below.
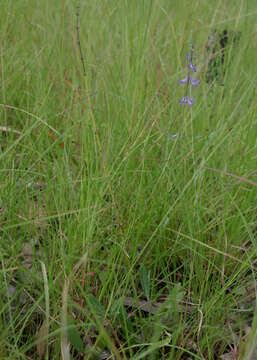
{"points": [[145, 280], [74, 338], [96, 305]]}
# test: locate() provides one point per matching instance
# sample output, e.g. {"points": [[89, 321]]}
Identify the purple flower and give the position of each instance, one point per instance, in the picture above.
{"points": [[190, 67], [191, 101], [183, 80], [186, 100], [194, 82]]}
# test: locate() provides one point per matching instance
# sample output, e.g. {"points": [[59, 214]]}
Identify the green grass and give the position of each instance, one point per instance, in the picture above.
{"points": [[114, 236]]}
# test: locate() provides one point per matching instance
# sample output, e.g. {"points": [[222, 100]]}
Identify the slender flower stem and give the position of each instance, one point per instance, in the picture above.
{"points": [[189, 80]]}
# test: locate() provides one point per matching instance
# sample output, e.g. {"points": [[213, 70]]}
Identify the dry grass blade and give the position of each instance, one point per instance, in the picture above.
{"points": [[65, 346], [30, 114], [45, 327], [229, 356], [249, 348], [150, 308], [207, 246], [142, 305], [42, 334], [243, 179]]}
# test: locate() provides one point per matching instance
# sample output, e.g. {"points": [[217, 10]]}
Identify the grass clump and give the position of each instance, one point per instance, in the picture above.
{"points": [[128, 220]]}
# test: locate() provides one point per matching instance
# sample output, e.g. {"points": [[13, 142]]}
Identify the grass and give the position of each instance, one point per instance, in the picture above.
{"points": [[115, 238]]}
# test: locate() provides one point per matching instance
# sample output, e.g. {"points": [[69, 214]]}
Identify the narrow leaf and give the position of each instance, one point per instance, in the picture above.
{"points": [[145, 281], [75, 339], [96, 305]]}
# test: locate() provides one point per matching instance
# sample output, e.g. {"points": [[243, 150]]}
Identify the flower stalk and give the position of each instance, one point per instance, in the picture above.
{"points": [[189, 80]]}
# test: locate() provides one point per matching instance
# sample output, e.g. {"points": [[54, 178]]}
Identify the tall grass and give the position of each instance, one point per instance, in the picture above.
{"points": [[114, 236]]}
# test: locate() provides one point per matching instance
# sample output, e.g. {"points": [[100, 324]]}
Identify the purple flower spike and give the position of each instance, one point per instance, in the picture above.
{"points": [[183, 80], [194, 82], [189, 80], [191, 66], [186, 100]]}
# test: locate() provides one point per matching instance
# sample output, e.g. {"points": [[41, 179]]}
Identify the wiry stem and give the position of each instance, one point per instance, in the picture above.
{"points": [[79, 44]]}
